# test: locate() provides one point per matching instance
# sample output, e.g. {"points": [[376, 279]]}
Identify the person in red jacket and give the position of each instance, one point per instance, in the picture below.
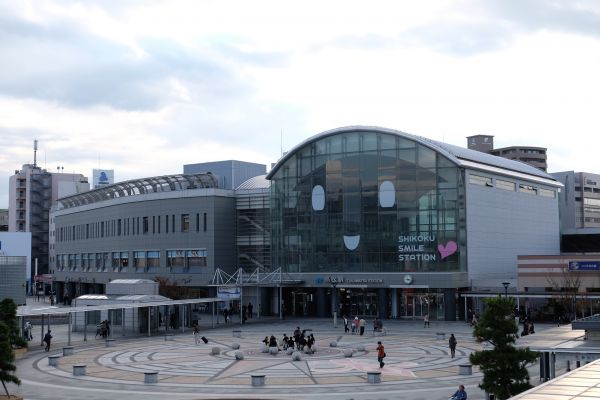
{"points": [[380, 354]]}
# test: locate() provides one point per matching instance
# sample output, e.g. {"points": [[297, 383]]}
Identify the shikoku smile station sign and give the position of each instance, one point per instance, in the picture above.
{"points": [[423, 248]]}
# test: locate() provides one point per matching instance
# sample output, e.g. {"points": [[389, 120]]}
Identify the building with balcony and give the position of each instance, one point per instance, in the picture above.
{"points": [[32, 191], [534, 156]]}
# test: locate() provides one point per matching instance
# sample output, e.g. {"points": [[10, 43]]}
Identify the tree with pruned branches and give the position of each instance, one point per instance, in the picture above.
{"points": [[504, 367]]}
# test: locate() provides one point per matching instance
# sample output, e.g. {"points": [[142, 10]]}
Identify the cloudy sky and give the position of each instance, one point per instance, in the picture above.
{"points": [[143, 87]]}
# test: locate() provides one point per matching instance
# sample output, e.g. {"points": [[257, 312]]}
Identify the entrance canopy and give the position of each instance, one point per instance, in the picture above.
{"points": [[23, 311]]}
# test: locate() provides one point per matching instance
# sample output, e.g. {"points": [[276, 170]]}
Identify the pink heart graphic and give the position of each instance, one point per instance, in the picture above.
{"points": [[447, 250]]}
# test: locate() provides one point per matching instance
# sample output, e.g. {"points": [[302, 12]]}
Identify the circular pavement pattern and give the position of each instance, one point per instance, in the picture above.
{"points": [[418, 365]]}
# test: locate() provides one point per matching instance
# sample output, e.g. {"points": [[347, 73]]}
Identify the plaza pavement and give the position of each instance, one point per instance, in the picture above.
{"points": [[418, 364]]}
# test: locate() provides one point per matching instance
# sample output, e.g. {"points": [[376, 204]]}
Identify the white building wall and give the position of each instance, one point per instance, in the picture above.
{"points": [[502, 224]]}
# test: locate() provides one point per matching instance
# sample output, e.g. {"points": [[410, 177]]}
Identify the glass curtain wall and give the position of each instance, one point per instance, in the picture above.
{"points": [[367, 202]]}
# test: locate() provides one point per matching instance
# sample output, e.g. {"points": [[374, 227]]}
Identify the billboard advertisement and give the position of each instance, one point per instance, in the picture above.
{"points": [[103, 177]]}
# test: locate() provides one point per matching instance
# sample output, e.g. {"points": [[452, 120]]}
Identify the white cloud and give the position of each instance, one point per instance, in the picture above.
{"points": [[146, 87]]}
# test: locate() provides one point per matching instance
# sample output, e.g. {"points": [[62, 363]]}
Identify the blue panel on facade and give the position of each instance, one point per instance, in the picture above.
{"points": [[584, 265]]}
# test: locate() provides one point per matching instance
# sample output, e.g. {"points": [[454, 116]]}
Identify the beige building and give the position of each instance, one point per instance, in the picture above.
{"points": [[559, 273]]}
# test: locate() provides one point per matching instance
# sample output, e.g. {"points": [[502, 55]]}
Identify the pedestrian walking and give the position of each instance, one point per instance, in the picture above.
{"points": [[452, 344], [460, 394], [426, 321], [47, 339], [380, 354], [226, 314], [196, 334], [28, 331], [346, 329], [362, 325], [355, 325]]}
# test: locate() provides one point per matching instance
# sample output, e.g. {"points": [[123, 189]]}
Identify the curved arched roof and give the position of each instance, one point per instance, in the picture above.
{"points": [[456, 154], [166, 183], [257, 182]]}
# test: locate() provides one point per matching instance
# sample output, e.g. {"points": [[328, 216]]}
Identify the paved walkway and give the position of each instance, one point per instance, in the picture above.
{"points": [[418, 364]]}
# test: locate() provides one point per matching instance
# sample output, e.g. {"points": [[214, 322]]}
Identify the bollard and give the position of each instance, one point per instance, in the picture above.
{"points": [[465, 369], [68, 351], [150, 377], [374, 377], [258, 380], [568, 365], [79, 369], [53, 361]]}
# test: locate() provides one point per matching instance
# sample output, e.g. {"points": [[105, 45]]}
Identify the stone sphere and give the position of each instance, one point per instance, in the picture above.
{"points": [[239, 355], [289, 351], [235, 346], [308, 351], [273, 351], [348, 353], [264, 350], [360, 347], [296, 356], [333, 344], [215, 351]]}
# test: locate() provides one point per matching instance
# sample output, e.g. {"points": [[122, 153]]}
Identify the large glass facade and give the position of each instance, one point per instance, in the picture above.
{"points": [[368, 201]]}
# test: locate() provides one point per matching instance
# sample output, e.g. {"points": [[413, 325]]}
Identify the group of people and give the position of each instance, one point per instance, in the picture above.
{"points": [[528, 327], [298, 340], [357, 325], [103, 329]]}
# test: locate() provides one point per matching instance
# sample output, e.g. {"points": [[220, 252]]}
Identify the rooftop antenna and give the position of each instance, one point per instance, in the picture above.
{"points": [[35, 153]]}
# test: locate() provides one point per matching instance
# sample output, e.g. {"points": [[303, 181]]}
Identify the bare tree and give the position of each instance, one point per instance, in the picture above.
{"points": [[567, 297]]}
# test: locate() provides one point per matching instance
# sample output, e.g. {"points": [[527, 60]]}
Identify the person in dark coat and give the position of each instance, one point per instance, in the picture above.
{"points": [[250, 308], [47, 340], [452, 344]]}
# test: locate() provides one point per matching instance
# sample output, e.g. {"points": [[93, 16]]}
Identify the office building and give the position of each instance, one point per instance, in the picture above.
{"points": [[535, 156], [32, 191]]}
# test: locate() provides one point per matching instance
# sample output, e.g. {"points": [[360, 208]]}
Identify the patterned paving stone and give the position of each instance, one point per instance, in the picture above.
{"points": [[416, 361]]}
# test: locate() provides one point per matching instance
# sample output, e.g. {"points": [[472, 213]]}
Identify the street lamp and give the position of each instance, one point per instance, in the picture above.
{"points": [[506, 285]]}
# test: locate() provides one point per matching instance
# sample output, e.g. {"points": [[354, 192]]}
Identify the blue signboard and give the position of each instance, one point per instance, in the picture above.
{"points": [[584, 265], [229, 292]]}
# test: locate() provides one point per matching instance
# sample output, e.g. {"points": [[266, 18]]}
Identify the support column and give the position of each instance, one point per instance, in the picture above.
{"points": [[148, 321], [264, 306], [334, 300], [85, 326], [394, 303], [42, 338], [450, 304], [69, 331], [321, 302], [382, 303], [122, 322]]}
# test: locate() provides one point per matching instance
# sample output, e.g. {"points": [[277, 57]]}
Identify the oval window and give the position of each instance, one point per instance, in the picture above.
{"points": [[387, 194], [318, 198]]}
